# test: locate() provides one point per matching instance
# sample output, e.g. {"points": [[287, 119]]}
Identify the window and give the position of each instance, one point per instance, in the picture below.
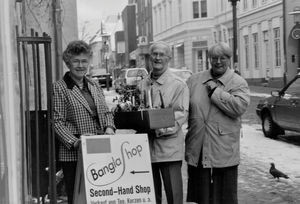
{"points": [[195, 9], [179, 11], [165, 15], [230, 37], [255, 50], [245, 4], [277, 47], [222, 5], [200, 10], [230, 40], [266, 48], [203, 8], [170, 12], [246, 42], [225, 34], [254, 3], [215, 37], [294, 88]]}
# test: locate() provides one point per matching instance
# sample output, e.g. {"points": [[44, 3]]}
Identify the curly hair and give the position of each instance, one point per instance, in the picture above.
{"points": [[74, 48]]}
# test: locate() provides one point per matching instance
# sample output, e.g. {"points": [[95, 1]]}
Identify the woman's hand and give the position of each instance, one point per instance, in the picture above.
{"points": [[76, 144], [109, 131]]}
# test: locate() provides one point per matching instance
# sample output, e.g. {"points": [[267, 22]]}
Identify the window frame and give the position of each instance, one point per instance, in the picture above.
{"points": [[201, 10], [277, 45], [246, 50], [255, 50]]}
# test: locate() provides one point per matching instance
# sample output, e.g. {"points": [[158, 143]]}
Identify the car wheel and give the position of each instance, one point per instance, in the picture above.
{"points": [[270, 129]]}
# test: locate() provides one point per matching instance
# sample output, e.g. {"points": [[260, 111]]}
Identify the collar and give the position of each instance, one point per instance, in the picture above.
{"points": [[71, 83], [224, 79], [162, 79]]}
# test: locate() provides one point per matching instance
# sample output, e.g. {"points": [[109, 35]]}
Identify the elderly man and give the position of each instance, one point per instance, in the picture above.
{"points": [[218, 98], [166, 144]]}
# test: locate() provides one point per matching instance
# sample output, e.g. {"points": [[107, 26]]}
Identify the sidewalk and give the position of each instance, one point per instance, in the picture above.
{"points": [[261, 91]]}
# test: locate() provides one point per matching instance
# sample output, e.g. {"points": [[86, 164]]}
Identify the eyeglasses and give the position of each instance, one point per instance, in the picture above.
{"points": [[77, 62], [158, 54], [219, 59]]}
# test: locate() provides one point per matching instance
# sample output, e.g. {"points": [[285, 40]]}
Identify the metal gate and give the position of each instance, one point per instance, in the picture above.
{"points": [[38, 142]]}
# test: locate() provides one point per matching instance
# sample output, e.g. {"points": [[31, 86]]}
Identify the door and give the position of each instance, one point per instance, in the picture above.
{"points": [[201, 60], [287, 108]]}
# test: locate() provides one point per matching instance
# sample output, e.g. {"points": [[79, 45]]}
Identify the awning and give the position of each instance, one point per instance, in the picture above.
{"points": [[179, 45], [132, 55]]}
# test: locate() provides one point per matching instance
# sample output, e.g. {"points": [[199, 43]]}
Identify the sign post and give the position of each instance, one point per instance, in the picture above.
{"points": [[114, 169]]}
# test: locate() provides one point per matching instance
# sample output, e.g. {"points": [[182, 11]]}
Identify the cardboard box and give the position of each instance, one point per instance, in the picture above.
{"points": [[145, 120]]}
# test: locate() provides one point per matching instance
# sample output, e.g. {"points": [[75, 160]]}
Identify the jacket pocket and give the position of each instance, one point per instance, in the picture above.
{"points": [[228, 129]]}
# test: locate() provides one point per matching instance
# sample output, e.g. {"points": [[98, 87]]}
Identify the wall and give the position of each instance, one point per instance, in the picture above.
{"points": [[292, 48]]}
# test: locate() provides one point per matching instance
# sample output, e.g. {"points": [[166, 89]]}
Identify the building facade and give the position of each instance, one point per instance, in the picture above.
{"points": [[261, 41], [187, 26], [129, 26], [191, 26], [144, 32]]}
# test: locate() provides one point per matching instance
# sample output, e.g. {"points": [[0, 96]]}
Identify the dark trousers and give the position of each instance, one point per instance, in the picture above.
{"points": [[212, 186], [69, 169], [170, 173]]}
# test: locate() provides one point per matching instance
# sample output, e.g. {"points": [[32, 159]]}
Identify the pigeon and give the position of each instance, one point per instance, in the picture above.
{"points": [[276, 173]]}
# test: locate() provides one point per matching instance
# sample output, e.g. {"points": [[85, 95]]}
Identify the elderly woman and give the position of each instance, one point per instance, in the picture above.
{"points": [[218, 98], [79, 108]]}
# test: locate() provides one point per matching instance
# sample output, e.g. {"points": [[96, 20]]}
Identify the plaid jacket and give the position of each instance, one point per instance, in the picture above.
{"points": [[73, 115]]}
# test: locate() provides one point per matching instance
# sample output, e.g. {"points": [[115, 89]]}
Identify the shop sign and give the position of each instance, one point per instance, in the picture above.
{"points": [[114, 169]]}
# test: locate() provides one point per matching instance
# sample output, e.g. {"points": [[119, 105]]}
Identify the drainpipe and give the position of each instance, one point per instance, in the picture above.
{"points": [[284, 43], [58, 70]]}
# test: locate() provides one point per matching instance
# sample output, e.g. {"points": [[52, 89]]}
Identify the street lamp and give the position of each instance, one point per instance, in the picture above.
{"points": [[235, 60], [106, 49]]}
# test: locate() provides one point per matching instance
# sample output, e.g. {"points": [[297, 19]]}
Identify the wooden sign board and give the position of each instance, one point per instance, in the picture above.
{"points": [[114, 169]]}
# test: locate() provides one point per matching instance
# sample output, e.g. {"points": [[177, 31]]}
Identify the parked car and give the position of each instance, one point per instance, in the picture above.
{"points": [[100, 76], [182, 73], [102, 79], [129, 78], [281, 111]]}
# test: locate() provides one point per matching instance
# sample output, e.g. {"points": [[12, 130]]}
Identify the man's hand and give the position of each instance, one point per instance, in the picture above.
{"points": [[164, 131]]}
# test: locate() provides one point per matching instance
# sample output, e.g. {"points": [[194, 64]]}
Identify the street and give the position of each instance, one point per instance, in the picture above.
{"points": [[255, 183]]}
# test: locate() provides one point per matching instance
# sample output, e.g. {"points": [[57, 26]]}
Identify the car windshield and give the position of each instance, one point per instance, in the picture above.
{"points": [[136, 72], [294, 88]]}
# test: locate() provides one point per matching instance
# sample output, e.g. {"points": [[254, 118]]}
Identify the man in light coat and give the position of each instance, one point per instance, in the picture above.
{"points": [[166, 144]]}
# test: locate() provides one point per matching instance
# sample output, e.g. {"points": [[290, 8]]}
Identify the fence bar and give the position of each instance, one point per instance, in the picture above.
{"points": [[51, 138], [36, 116]]}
